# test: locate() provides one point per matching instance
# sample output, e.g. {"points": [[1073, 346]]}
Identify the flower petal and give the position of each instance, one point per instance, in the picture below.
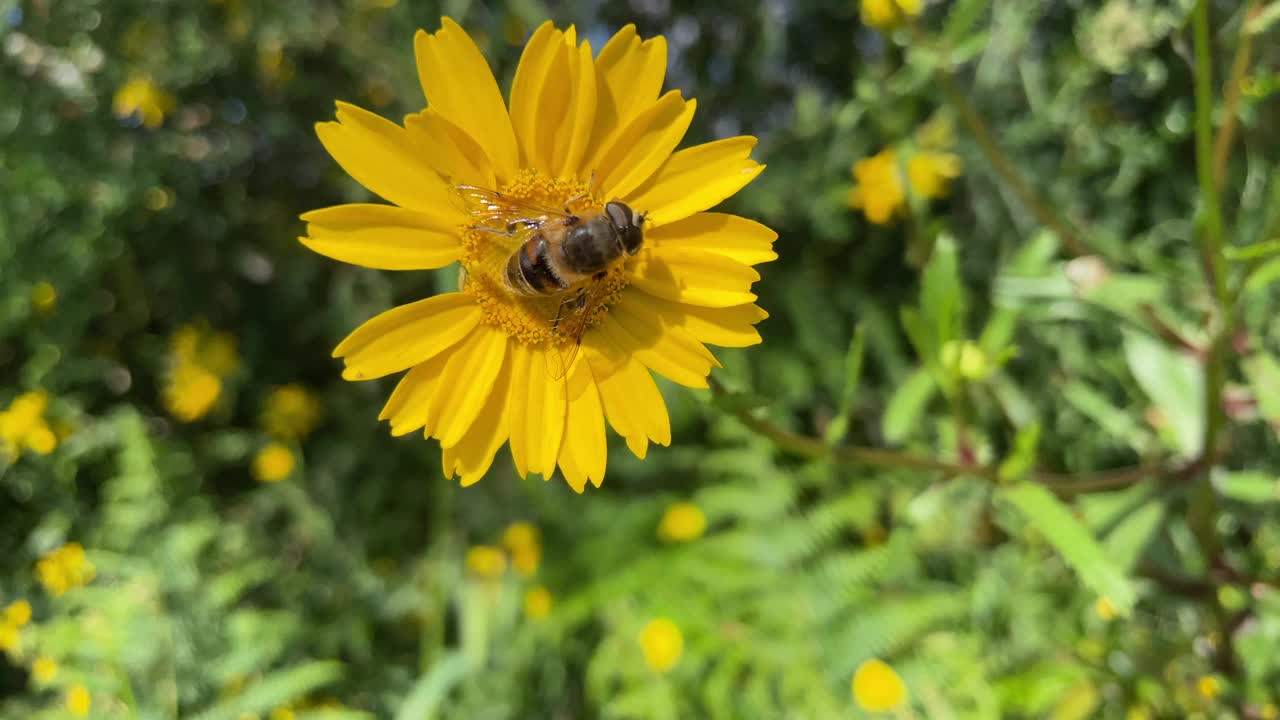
{"points": [[473, 455], [382, 236], [693, 277], [695, 179], [746, 241], [410, 402], [628, 394], [629, 75], [456, 156], [381, 156], [726, 327], [466, 383], [538, 95], [638, 150], [458, 84], [584, 452], [536, 412], [575, 133], [668, 351], [407, 335]]}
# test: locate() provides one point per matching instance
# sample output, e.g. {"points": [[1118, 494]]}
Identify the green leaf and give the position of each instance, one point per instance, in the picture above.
{"points": [[941, 294], [1125, 543], [1264, 377], [852, 378], [906, 406], [1248, 486], [1260, 22], [1257, 251], [1073, 541], [431, 689], [1110, 419], [275, 690], [1174, 383], [1023, 456]]}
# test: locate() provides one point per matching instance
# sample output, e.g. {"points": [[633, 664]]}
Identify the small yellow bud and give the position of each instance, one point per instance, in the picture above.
{"points": [[537, 603], [877, 687], [662, 644], [682, 522], [486, 562]]}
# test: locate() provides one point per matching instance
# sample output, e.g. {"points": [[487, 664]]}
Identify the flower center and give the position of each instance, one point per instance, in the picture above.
{"points": [[547, 320]]}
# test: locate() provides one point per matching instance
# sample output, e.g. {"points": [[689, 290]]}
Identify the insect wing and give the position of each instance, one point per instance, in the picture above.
{"points": [[494, 210], [574, 321]]}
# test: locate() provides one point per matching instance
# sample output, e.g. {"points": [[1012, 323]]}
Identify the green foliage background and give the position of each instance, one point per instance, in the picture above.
{"points": [[220, 597]]}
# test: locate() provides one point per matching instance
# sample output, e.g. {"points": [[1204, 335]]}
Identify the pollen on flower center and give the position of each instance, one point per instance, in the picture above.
{"points": [[484, 260]]}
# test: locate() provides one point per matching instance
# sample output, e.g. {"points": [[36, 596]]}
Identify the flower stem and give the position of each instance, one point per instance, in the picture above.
{"points": [[1231, 96]]}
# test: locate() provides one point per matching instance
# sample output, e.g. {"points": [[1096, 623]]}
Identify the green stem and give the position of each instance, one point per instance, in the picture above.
{"points": [[1203, 510], [1005, 168]]}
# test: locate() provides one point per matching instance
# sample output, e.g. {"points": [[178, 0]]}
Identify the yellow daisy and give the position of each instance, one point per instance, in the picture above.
{"points": [[580, 128]]}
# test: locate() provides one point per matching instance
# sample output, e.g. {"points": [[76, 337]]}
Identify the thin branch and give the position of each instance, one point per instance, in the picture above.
{"points": [[1231, 96], [1064, 485], [1005, 168]]}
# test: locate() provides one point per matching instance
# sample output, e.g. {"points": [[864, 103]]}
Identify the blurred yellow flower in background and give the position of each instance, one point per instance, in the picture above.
{"points": [[44, 670], [23, 426], [1105, 609], [77, 700], [17, 613], [10, 636], [537, 602], [485, 363], [65, 568], [1210, 687], [44, 298], [486, 562], [888, 14], [199, 361], [291, 412], [682, 522], [524, 542], [882, 182], [273, 462], [282, 713], [662, 644], [877, 687], [141, 97]]}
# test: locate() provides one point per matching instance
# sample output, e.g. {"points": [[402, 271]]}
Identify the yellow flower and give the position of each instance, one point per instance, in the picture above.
{"points": [[888, 14], [78, 701], [291, 412], [44, 670], [191, 392], [200, 359], [1105, 609], [10, 636], [682, 522], [65, 568], [537, 602], [282, 713], [139, 96], [486, 562], [931, 173], [662, 644], [1209, 686], [44, 298], [23, 426], [488, 366], [877, 687], [966, 358], [879, 190], [273, 462], [17, 613], [525, 545]]}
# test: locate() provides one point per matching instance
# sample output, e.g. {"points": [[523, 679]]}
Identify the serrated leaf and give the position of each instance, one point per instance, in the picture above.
{"points": [[1174, 383], [1077, 546]]}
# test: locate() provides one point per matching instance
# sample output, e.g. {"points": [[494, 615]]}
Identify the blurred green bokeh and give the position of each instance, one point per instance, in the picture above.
{"points": [[155, 156]]}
